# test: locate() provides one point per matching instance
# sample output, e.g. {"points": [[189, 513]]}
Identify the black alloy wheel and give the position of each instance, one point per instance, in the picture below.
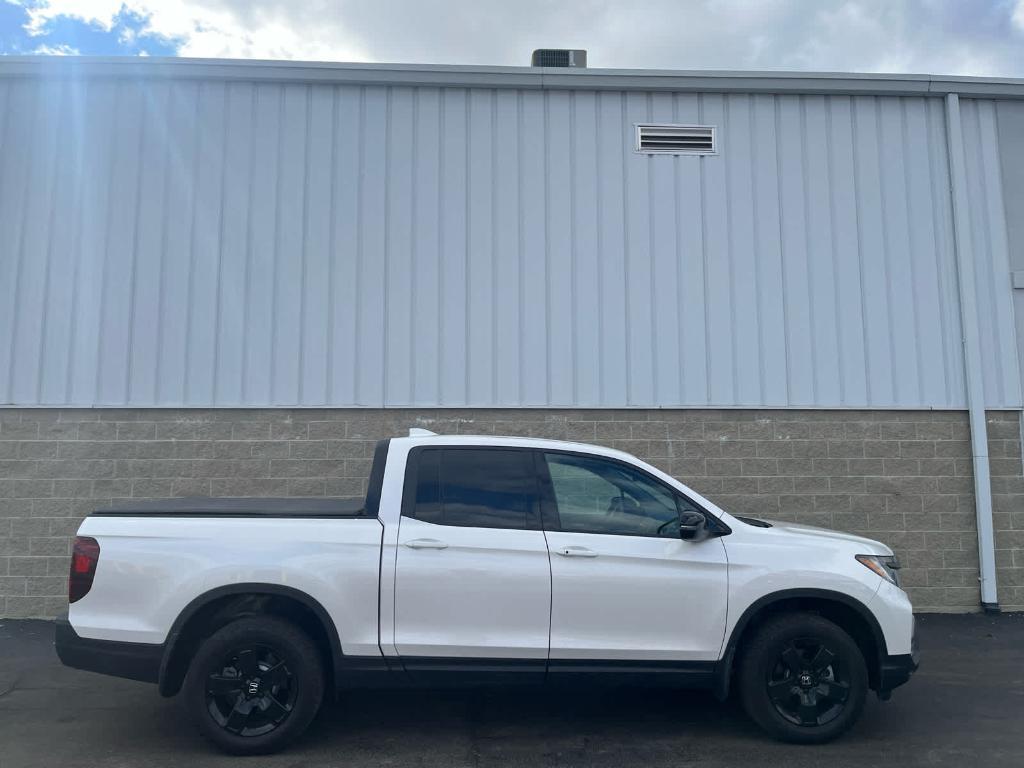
{"points": [[254, 685], [807, 684], [251, 692], [802, 677]]}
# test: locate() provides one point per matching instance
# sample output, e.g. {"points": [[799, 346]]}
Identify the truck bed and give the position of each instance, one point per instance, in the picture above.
{"points": [[239, 507], [202, 506]]}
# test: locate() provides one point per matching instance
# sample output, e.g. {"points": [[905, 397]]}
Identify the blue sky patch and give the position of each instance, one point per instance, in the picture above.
{"points": [[125, 38]]}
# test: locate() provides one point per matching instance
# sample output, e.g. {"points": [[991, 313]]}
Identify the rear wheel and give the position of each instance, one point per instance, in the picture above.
{"points": [[803, 679], [255, 685]]}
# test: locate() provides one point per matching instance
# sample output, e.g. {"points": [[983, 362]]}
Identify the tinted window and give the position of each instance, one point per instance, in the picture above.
{"points": [[599, 496], [480, 488]]}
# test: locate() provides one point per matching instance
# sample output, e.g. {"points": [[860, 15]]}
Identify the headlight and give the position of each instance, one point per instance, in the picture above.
{"points": [[885, 566]]}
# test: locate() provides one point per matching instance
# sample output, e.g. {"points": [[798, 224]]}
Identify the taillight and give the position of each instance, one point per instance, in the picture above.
{"points": [[84, 556]]}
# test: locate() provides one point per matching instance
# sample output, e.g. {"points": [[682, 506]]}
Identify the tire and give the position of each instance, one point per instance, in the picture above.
{"points": [[255, 685], [803, 679]]}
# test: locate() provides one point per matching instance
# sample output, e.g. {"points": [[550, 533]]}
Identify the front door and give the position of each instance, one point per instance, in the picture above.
{"points": [[473, 580], [625, 586]]}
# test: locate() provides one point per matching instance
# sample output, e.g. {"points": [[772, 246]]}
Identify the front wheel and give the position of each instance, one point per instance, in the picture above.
{"points": [[803, 679], [255, 685]]}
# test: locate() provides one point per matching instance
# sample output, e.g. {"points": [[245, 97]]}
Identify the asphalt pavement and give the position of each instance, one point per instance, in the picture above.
{"points": [[965, 707]]}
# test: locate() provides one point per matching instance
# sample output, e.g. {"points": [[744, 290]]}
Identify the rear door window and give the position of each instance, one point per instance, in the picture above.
{"points": [[474, 487]]}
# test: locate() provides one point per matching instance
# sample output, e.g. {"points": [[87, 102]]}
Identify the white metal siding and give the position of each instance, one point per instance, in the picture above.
{"points": [[173, 242]]}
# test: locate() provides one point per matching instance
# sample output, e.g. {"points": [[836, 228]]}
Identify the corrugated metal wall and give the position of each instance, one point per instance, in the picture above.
{"points": [[210, 243]]}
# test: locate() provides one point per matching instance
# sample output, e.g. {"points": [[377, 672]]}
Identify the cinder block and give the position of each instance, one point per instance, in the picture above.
{"points": [[249, 430], [140, 430], [13, 585], [327, 430]]}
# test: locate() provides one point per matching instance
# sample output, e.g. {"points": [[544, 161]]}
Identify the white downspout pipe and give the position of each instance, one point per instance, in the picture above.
{"points": [[972, 353]]}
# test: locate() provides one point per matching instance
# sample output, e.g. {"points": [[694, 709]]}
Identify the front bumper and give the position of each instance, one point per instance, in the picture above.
{"points": [[135, 661], [896, 670]]}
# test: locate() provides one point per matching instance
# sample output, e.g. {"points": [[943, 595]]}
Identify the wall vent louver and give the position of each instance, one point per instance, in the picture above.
{"points": [[575, 58], [667, 139]]}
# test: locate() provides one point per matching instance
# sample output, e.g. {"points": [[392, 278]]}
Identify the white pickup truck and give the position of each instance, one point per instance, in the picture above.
{"points": [[483, 560]]}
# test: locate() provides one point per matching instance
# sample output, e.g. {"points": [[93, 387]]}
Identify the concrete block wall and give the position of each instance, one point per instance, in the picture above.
{"points": [[900, 476]]}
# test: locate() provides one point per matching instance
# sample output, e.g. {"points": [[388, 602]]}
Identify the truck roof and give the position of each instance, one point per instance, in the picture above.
{"points": [[425, 437]]}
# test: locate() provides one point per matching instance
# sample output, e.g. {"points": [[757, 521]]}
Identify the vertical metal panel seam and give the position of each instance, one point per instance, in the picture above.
{"points": [[915, 290], [133, 276], [247, 273], [729, 266], [520, 251], [190, 279], [677, 171], [6, 396], [59, 149], [303, 248], [938, 218], [890, 302], [623, 106], [103, 254], [275, 254], [218, 306], [777, 107], [600, 254], [759, 281], [413, 241], [332, 245], [859, 221], [704, 260], [385, 325], [467, 285], [494, 246], [991, 273], [360, 187], [440, 244], [655, 337], [808, 250], [977, 227], [573, 200], [834, 247], [20, 218], [161, 257], [76, 245], [5, 131], [547, 244]]}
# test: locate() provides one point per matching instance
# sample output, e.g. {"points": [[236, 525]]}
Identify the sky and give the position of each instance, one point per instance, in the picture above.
{"points": [[958, 37]]}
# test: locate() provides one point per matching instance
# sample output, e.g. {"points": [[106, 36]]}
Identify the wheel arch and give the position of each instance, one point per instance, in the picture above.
{"points": [[213, 609], [847, 612]]}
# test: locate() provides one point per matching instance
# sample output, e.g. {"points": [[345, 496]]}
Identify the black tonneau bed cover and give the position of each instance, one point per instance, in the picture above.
{"points": [[198, 506], [238, 507]]}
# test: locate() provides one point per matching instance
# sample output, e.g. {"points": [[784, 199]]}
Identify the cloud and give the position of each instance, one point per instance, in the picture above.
{"points": [[62, 49], [982, 37], [211, 28], [1018, 16]]}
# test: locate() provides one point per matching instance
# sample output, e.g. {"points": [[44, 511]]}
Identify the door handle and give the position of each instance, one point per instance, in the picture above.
{"points": [[426, 544], [577, 552]]}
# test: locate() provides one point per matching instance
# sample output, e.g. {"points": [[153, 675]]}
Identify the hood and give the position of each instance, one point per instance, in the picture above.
{"points": [[866, 546]]}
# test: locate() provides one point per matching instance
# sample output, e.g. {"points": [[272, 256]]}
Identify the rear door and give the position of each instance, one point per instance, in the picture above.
{"points": [[472, 579], [625, 586]]}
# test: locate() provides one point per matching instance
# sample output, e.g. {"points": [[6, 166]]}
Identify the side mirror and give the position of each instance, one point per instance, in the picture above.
{"points": [[693, 526]]}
